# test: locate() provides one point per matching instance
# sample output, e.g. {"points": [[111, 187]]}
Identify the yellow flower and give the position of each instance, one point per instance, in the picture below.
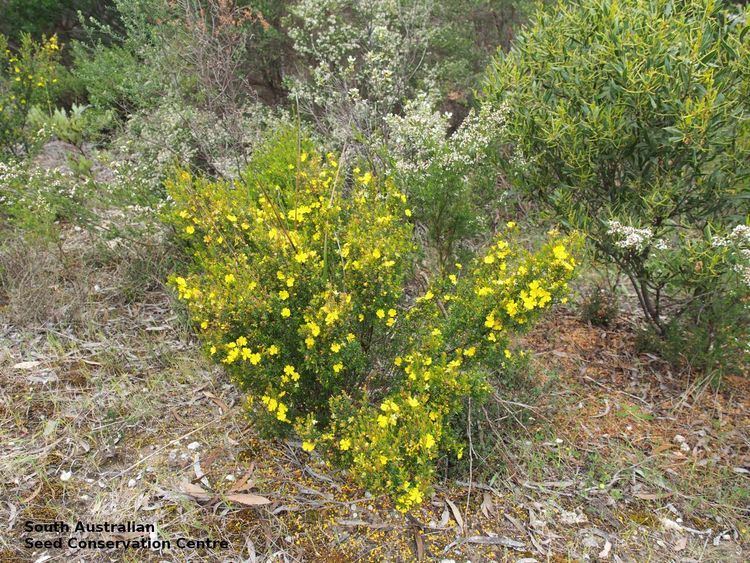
{"points": [[560, 252], [407, 212], [310, 341], [380, 313], [335, 347], [511, 308], [391, 312], [507, 353], [273, 350], [291, 372], [314, 328], [376, 254], [308, 446], [412, 402], [345, 444], [338, 367], [229, 278], [283, 295], [289, 281], [285, 312], [469, 352], [490, 320], [428, 441], [190, 229], [383, 420]]}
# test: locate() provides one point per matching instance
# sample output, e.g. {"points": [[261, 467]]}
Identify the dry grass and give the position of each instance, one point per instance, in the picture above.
{"points": [[100, 378]]}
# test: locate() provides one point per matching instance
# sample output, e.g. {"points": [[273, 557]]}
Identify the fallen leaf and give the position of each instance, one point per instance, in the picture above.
{"points": [[196, 491], [487, 507], [604, 553], [444, 518], [680, 544], [456, 513], [221, 404], [419, 543], [248, 499], [651, 496], [244, 483], [26, 365]]}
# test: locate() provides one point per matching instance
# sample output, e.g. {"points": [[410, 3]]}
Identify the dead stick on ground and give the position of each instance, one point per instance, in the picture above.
{"points": [[636, 397]]}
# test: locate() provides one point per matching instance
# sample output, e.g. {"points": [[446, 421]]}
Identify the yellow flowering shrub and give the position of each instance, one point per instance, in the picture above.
{"points": [[297, 284], [27, 76], [289, 276], [457, 340]]}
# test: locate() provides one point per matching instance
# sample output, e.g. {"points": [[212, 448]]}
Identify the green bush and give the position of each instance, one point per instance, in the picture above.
{"points": [[298, 285], [629, 121], [76, 126], [27, 78]]}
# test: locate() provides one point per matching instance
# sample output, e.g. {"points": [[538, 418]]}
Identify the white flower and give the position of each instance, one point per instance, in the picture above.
{"points": [[631, 238]]}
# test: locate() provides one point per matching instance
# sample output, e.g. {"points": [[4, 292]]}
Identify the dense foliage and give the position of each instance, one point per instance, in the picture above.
{"points": [[629, 120], [298, 285]]}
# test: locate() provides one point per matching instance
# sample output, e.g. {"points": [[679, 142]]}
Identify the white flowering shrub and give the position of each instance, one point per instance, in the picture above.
{"points": [[36, 200], [449, 176], [357, 59]]}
